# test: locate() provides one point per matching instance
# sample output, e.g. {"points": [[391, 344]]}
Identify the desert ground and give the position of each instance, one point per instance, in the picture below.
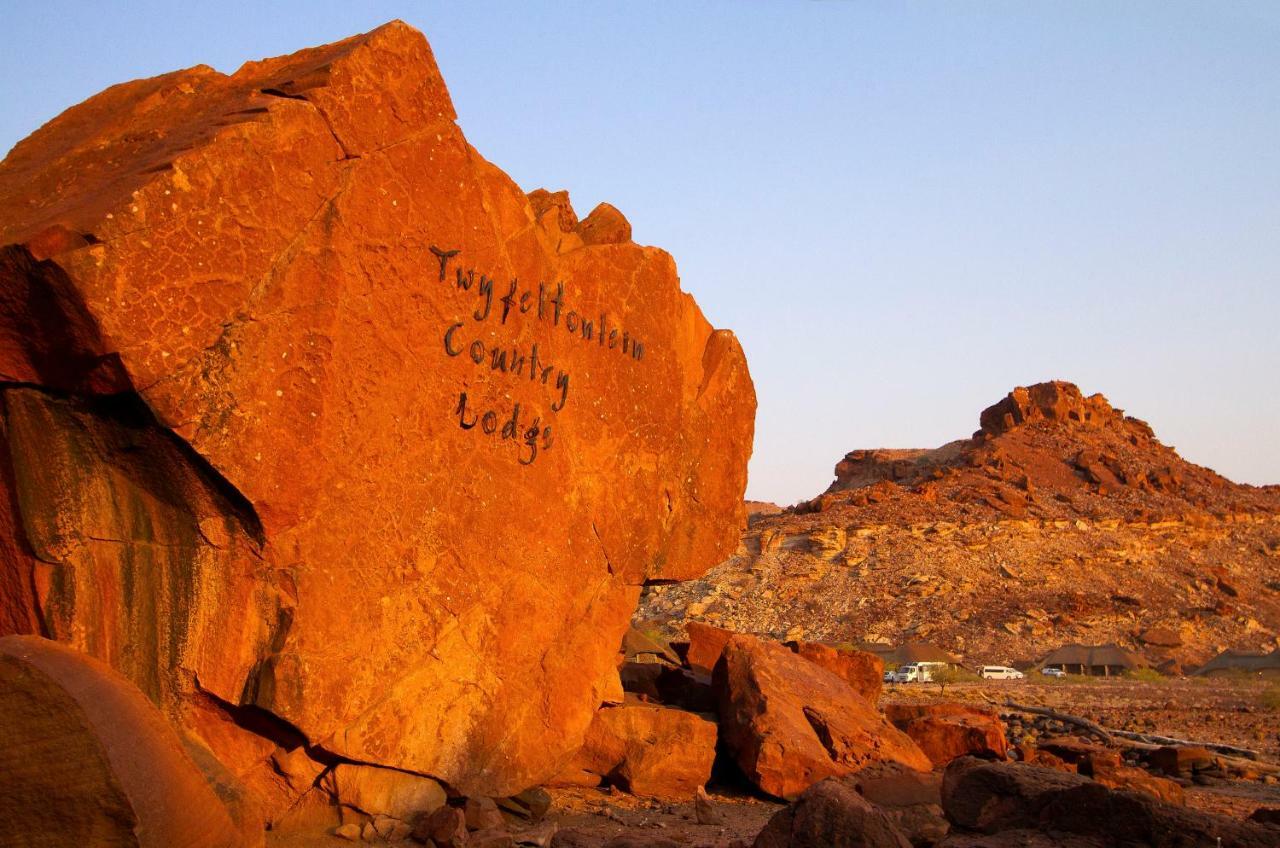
{"points": [[1233, 710]]}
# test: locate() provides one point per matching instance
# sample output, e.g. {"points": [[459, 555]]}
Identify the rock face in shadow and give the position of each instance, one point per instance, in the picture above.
{"points": [[831, 814], [1014, 802], [310, 410], [86, 759]]}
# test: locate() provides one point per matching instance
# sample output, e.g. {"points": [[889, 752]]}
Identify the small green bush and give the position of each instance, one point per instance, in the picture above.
{"points": [[952, 674]]}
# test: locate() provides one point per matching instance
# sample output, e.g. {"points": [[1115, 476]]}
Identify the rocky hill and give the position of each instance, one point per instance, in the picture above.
{"points": [[1060, 520]]}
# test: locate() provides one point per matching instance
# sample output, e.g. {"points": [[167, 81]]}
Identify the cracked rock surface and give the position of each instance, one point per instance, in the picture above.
{"points": [[314, 421]]}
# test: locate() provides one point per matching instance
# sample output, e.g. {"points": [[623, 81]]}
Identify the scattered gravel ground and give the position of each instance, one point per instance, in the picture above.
{"points": [[601, 815], [1203, 710]]}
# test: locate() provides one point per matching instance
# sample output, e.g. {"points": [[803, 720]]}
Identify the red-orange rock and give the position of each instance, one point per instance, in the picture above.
{"points": [[146, 560], [342, 425], [647, 750], [863, 670], [1181, 760], [1161, 637], [1052, 401], [706, 644], [380, 791], [86, 759], [790, 723], [1070, 749], [1033, 756], [947, 731], [1108, 770]]}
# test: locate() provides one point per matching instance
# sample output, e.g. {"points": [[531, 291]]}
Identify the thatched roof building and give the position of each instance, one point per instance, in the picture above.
{"points": [[911, 652], [1267, 665], [1104, 660]]}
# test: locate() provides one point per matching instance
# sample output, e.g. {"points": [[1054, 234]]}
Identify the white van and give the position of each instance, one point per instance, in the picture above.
{"points": [[1001, 672], [918, 672]]}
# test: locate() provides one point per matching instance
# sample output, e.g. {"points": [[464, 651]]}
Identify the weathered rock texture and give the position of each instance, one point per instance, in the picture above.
{"points": [[308, 406], [790, 723], [1062, 520], [646, 749], [862, 670], [947, 731], [85, 759]]}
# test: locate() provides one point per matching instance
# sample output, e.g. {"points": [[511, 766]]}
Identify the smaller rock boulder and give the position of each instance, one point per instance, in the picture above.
{"points": [[1181, 760], [947, 731], [988, 797], [1161, 637], [863, 670], [445, 828], [911, 799], [790, 723], [483, 814], [383, 792], [646, 749], [706, 644], [1108, 770], [831, 814], [86, 759]]}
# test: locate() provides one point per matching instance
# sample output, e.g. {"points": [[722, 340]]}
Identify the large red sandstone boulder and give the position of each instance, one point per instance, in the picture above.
{"points": [[947, 731], [646, 749], [863, 670], [323, 416], [789, 723], [86, 759]]}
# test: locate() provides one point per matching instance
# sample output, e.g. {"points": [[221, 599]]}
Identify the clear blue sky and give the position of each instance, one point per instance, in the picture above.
{"points": [[903, 210]]}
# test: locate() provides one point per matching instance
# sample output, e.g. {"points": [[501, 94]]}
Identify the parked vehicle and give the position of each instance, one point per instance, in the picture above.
{"points": [[1053, 672], [1001, 672], [918, 672], [890, 676]]}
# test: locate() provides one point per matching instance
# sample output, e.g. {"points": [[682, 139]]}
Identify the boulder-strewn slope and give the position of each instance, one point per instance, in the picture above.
{"points": [[1061, 520], [313, 419]]}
